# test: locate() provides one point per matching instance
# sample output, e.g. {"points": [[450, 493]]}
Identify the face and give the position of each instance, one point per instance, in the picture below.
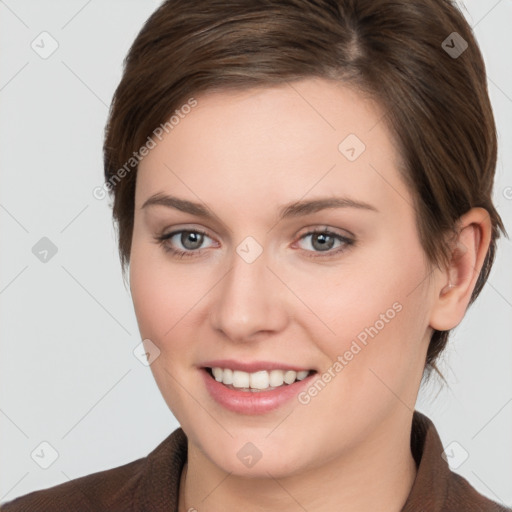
{"points": [[260, 283]]}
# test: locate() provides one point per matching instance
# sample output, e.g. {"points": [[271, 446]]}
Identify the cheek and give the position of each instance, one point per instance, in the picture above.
{"points": [[377, 299], [167, 297], [162, 299], [157, 295], [376, 352]]}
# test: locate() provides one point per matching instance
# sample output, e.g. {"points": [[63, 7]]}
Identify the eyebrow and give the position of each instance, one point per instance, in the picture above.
{"points": [[291, 210]]}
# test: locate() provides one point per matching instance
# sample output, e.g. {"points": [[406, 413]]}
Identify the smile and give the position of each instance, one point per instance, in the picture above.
{"points": [[256, 392], [256, 381]]}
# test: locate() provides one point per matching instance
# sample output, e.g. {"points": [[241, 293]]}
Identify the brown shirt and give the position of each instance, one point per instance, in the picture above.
{"points": [[151, 484]]}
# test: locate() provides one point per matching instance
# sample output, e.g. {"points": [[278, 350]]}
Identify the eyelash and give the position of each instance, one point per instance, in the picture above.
{"points": [[163, 239]]}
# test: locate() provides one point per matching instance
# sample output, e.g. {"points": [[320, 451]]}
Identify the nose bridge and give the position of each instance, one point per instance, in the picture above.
{"points": [[248, 301]]}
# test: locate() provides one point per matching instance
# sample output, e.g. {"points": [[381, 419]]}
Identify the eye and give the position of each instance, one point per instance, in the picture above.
{"points": [[323, 240], [191, 240]]}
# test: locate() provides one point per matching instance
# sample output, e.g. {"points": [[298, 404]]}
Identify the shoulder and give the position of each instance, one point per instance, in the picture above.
{"points": [[85, 494], [460, 492], [124, 488], [436, 486]]}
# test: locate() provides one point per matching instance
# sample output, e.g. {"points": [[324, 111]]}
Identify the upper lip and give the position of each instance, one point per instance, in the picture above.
{"points": [[251, 366]]}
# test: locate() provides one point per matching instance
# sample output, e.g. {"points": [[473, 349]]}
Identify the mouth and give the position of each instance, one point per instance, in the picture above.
{"points": [[259, 381], [254, 387]]}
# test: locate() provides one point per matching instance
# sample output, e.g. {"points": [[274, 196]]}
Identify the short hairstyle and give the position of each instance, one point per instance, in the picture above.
{"points": [[410, 56]]}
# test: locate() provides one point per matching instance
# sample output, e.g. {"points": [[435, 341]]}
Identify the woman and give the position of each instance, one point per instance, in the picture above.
{"points": [[303, 193]]}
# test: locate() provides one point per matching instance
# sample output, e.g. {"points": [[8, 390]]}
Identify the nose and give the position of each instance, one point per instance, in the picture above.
{"points": [[250, 301]]}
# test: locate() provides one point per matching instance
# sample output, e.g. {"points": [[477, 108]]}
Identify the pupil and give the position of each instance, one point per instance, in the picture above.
{"points": [[323, 244], [189, 235]]}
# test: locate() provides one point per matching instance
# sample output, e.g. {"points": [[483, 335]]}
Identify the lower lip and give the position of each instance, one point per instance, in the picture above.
{"points": [[252, 403]]}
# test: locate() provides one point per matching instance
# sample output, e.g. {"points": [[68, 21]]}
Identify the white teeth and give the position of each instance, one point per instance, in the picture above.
{"points": [[276, 378], [289, 376], [240, 379], [258, 380], [227, 376]]}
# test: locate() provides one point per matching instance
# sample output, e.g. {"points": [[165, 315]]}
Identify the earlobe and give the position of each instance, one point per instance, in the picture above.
{"points": [[455, 284]]}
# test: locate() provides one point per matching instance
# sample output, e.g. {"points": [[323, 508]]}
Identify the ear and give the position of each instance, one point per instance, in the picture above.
{"points": [[456, 282]]}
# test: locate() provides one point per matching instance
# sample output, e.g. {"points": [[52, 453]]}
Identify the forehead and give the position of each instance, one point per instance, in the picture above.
{"points": [[276, 144]]}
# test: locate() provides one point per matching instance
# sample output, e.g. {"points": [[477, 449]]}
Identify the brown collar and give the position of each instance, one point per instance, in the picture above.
{"points": [[435, 489]]}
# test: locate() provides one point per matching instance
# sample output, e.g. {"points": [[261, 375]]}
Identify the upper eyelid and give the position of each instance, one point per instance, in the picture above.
{"points": [[326, 229], [308, 230]]}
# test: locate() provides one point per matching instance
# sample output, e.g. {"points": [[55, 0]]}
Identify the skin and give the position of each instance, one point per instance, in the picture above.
{"points": [[244, 155]]}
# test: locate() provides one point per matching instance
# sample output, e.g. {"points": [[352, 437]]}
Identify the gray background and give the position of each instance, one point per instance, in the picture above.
{"points": [[67, 369]]}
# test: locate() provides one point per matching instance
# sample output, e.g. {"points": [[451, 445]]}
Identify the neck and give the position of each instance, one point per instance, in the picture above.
{"points": [[376, 476]]}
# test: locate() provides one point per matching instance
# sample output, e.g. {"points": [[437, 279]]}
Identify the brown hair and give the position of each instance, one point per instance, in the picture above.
{"points": [[436, 103]]}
